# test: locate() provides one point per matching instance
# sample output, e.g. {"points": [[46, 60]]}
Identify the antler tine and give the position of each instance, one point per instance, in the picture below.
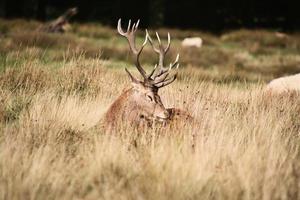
{"points": [[169, 43], [161, 51], [130, 36], [176, 63], [166, 82], [137, 25], [158, 39], [151, 42], [129, 24], [172, 65], [162, 76], [134, 28], [120, 30], [152, 72], [161, 79]]}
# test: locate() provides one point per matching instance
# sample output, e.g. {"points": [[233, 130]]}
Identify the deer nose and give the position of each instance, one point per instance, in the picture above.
{"points": [[164, 115], [167, 114]]}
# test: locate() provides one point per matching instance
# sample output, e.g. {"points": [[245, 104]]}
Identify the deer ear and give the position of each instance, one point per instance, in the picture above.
{"points": [[133, 80]]}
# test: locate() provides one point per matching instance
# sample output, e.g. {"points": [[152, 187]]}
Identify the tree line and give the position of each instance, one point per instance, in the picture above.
{"points": [[214, 15]]}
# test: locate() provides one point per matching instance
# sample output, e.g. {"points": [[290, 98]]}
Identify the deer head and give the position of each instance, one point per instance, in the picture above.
{"points": [[145, 92]]}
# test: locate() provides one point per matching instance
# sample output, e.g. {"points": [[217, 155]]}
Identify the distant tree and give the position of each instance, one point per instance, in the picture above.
{"points": [[41, 10], [14, 8], [156, 12], [59, 25], [2, 8]]}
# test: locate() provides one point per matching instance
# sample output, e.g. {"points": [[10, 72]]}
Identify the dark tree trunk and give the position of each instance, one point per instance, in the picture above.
{"points": [[2, 8], [14, 8], [41, 10], [156, 12]]}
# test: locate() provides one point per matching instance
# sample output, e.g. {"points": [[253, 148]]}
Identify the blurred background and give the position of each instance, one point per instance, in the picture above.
{"points": [[212, 15], [237, 41]]}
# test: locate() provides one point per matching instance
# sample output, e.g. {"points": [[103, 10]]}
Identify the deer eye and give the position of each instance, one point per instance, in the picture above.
{"points": [[150, 97]]}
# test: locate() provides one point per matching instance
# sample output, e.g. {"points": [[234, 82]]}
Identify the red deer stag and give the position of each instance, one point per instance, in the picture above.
{"points": [[141, 105]]}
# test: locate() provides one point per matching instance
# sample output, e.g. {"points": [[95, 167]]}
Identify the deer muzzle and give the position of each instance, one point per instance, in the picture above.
{"points": [[162, 116]]}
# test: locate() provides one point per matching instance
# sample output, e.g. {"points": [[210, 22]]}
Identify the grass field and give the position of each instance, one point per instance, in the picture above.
{"points": [[54, 90]]}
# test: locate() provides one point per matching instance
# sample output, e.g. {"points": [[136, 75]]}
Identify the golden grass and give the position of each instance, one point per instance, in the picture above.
{"points": [[245, 144], [265, 54]]}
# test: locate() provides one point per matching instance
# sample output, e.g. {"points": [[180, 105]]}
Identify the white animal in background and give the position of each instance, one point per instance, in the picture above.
{"points": [[192, 42], [285, 84], [281, 35]]}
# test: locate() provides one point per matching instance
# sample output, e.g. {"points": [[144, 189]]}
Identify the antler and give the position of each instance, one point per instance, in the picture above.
{"points": [[130, 36], [159, 79], [154, 79]]}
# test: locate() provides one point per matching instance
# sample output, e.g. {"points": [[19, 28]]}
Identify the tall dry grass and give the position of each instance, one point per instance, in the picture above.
{"points": [[263, 53], [245, 144]]}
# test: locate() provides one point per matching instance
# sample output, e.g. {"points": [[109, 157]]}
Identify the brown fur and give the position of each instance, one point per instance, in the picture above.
{"points": [[126, 111], [177, 114], [141, 105], [179, 118]]}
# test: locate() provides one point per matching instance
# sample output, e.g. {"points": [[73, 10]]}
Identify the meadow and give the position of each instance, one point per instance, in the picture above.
{"points": [[55, 88]]}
